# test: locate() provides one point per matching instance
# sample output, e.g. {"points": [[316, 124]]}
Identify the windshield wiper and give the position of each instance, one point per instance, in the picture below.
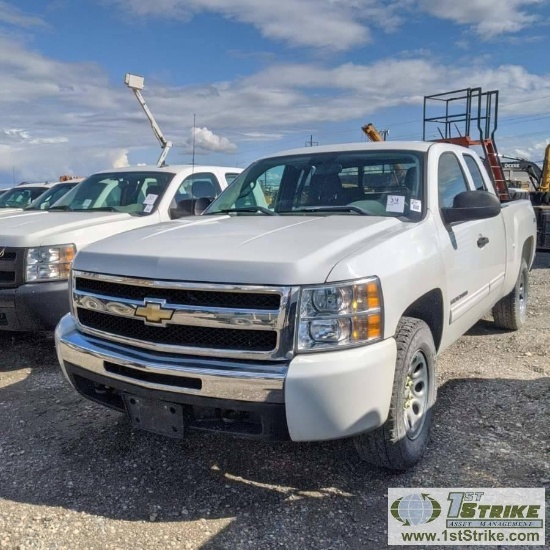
{"points": [[347, 208], [261, 209], [60, 207], [99, 209]]}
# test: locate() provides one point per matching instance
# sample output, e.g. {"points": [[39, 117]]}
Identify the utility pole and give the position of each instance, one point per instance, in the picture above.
{"points": [[311, 143]]}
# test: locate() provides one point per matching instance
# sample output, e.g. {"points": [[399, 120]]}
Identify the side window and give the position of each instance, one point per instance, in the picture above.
{"points": [[479, 182], [198, 185], [266, 189], [261, 189], [450, 180]]}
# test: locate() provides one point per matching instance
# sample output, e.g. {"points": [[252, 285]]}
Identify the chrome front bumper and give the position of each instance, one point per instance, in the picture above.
{"points": [[223, 379]]}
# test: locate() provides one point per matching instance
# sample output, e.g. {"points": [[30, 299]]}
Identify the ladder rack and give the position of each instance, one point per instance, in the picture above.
{"points": [[459, 112]]}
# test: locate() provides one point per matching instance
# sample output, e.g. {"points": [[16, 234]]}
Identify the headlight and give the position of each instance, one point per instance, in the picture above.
{"points": [[49, 263], [340, 315]]}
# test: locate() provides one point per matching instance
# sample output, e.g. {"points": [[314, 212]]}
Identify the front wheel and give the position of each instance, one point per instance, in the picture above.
{"points": [[400, 443]]}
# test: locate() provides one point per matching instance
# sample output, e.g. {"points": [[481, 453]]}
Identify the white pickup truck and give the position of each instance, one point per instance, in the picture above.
{"points": [[37, 247], [309, 301], [16, 199]]}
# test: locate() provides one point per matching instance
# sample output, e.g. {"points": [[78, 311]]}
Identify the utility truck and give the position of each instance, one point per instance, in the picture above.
{"points": [[312, 311]]}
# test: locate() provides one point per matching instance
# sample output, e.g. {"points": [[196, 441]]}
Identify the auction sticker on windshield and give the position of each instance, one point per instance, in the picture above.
{"points": [[395, 203], [475, 517], [150, 199]]}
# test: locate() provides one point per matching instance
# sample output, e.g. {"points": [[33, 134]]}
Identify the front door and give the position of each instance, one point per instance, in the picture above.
{"points": [[474, 253]]}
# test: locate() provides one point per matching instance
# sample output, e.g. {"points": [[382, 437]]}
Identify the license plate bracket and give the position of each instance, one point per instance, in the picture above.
{"points": [[155, 416]]}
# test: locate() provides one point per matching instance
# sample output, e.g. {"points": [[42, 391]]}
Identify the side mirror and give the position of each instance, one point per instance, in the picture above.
{"points": [[472, 205], [190, 207], [202, 204]]}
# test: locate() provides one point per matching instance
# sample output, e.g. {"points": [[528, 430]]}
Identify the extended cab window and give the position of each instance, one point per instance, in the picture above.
{"points": [[136, 193], [230, 176], [450, 180], [475, 172], [378, 183]]}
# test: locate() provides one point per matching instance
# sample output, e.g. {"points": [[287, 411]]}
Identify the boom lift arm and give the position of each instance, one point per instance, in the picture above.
{"points": [[135, 83], [540, 179], [371, 132], [530, 168], [544, 186]]}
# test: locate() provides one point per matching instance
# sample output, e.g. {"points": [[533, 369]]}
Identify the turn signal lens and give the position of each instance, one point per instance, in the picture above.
{"points": [[374, 330], [373, 297]]}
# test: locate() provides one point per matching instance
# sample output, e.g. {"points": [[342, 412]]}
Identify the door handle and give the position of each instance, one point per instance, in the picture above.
{"points": [[482, 241]]}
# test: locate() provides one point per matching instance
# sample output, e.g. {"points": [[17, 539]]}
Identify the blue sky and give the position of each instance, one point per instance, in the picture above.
{"points": [[260, 75]]}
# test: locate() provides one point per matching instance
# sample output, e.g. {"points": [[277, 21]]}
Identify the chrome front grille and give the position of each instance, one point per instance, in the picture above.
{"points": [[182, 296], [11, 267], [238, 321]]}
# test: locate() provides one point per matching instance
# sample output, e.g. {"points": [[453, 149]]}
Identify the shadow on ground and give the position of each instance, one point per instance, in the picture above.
{"points": [[60, 450]]}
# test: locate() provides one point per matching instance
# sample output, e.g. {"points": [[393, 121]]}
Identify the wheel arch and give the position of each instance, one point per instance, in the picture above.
{"points": [[528, 251], [429, 308]]}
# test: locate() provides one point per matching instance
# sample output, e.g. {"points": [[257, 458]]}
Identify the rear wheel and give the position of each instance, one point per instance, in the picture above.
{"points": [[511, 311], [400, 443]]}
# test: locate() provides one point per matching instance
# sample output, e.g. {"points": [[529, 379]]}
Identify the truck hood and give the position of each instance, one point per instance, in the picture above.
{"points": [[52, 228], [10, 212], [279, 250]]}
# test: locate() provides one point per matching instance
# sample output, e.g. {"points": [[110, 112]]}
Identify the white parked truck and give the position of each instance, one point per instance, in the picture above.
{"points": [[16, 199], [37, 247], [46, 200], [309, 301]]}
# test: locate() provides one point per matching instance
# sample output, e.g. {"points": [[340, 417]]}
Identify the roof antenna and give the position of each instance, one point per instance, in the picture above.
{"points": [[193, 158], [135, 83]]}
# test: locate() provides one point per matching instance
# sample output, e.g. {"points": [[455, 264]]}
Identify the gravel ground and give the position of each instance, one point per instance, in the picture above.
{"points": [[74, 475]]}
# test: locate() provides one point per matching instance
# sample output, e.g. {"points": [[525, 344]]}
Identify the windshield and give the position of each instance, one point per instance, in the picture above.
{"points": [[379, 183], [20, 197], [136, 193], [47, 199]]}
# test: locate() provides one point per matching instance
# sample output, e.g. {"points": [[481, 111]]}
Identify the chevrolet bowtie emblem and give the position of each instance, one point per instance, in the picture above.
{"points": [[154, 313]]}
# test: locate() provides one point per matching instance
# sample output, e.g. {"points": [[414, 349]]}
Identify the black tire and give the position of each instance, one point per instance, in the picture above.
{"points": [[396, 445], [511, 311]]}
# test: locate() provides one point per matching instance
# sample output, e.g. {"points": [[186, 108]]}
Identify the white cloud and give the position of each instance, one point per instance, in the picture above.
{"points": [[20, 135], [342, 24], [532, 150], [207, 141], [66, 117], [120, 159], [334, 24], [261, 136], [16, 134], [488, 18], [36, 162], [11, 15]]}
